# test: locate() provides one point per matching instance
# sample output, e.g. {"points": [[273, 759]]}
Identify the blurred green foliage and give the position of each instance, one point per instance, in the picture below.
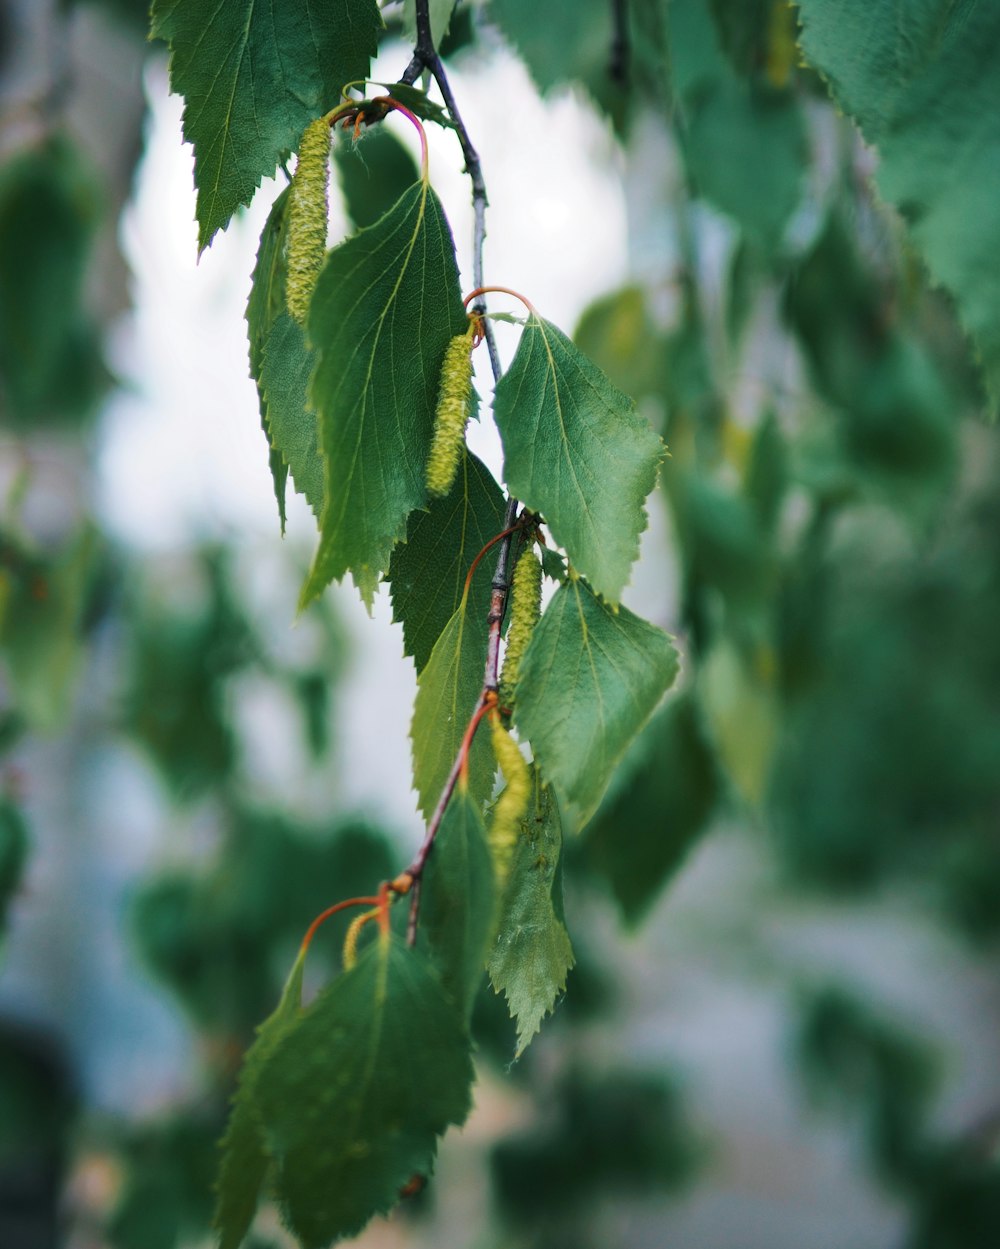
{"points": [[834, 519]]}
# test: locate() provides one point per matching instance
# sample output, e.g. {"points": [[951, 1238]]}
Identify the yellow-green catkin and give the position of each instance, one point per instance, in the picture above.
{"points": [[308, 211], [512, 803], [525, 609], [452, 415]]}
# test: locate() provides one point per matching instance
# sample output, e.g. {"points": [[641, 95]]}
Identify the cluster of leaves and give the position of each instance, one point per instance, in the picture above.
{"points": [[346, 1096]]}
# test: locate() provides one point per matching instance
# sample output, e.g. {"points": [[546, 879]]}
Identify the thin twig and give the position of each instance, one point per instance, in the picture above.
{"points": [[621, 47], [425, 58]]}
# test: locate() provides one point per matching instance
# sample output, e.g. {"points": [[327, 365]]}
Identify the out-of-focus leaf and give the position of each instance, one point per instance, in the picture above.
{"points": [[661, 803]]}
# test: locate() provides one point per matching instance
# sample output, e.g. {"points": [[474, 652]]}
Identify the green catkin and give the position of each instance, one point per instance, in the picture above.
{"points": [[525, 610], [512, 803], [308, 211], [452, 415]]}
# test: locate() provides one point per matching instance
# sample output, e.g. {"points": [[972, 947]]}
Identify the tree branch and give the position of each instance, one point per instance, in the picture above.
{"points": [[426, 58]]}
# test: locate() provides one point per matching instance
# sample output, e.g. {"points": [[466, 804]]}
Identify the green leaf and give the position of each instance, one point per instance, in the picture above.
{"points": [[244, 1157], [14, 841], [576, 450], [457, 910], [265, 304], [284, 382], [532, 953], [50, 359], [666, 793], [590, 680], [42, 603], [374, 173], [448, 692], [440, 15], [252, 77], [924, 91], [745, 150], [354, 1097], [385, 307], [427, 572]]}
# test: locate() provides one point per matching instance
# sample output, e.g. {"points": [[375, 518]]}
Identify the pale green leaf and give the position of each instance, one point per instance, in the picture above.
{"points": [[923, 82], [354, 1098], [576, 450], [532, 953], [385, 307], [457, 909], [244, 1156], [284, 382], [427, 572], [252, 76], [590, 679], [448, 693]]}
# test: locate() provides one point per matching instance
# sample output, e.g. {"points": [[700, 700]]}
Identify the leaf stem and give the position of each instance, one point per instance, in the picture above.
{"points": [[323, 916]]}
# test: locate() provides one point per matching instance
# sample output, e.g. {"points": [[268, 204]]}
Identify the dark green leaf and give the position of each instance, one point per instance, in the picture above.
{"points": [[448, 693], [667, 789], [427, 572], [457, 910], [922, 90], [385, 307], [576, 450], [14, 841], [50, 361], [374, 173], [253, 76], [354, 1098], [589, 681], [532, 954], [244, 1155]]}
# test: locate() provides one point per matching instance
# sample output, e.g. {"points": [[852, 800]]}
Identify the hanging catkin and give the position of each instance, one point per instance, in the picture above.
{"points": [[452, 414], [308, 210], [525, 609], [512, 803]]}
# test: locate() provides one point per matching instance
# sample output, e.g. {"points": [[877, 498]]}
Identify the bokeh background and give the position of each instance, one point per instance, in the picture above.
{"points": [[782, 1029]]}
